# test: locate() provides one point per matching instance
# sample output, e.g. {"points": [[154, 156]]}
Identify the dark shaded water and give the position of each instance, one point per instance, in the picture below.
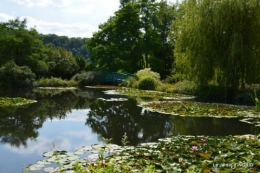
{"points": [[71, 119]]}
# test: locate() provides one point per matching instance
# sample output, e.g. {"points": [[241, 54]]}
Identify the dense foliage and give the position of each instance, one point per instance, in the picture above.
{"points": [[13, 76], [212, 44], [75, 45], [217, 43], [21, 45], [147, 83], [135, 38], [61, 63]]}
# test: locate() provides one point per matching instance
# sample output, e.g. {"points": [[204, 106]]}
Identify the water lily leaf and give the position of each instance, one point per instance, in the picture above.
{"points": [[97, 147], [43, 162], [80, 151], [93, 157], [204, 155], [206, 170], [70, 154], [47, 154], [68, 171], [49, 169], [52, 159], [87, 148], [73, 157], [63, 161], [35, 167]]}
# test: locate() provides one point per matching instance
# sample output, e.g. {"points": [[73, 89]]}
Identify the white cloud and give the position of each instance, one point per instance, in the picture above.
{"points": [[70, 30], [43, 3], [5, 17], [87, 135], [75, 115], [41, 145], [88, 9]]}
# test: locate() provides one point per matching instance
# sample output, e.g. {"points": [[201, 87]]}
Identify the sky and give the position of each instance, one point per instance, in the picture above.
{"points": [[72, 18]]}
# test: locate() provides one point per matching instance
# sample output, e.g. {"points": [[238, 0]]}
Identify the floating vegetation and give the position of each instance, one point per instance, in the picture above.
{"points": [[254, 121], [103, 86], [199, 109], [172, 154], [132, 92], [114, 99], [7, 101], [57, 88]]}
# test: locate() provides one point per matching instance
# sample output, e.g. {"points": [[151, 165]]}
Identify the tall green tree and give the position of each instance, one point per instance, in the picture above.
{"points": [[135, 38], [161, 49], [61, 62], [114, 47], [21, 45], [217, 42]]}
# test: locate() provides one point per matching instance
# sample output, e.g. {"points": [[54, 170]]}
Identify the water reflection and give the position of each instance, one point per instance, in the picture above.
{"points": [[18, 124], [107, 119], [211, 126], [113, 119]]}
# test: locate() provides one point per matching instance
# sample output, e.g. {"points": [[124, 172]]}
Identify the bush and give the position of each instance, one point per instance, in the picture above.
{"points": [[147, 83], [173, 78], [13, 76], [185, 87], [88, 78], [148, 72], [55, 82]]}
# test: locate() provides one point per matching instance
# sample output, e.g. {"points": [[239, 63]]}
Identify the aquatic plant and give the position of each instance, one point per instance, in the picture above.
{"points": [[132, 92], [172, 154], [199, 109], [7, 101]]}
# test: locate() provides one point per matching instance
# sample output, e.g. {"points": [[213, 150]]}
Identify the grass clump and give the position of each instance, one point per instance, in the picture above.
{"points": [[148, 72], [56, 82]]}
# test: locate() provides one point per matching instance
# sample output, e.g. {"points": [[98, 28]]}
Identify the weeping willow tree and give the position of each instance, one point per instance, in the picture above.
{"points": [[217, 42]]}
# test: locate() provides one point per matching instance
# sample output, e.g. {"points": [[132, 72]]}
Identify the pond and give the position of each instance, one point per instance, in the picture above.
{"points": [[70, 119]]}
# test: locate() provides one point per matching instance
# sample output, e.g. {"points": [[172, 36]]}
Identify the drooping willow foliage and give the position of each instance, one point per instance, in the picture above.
{"points": [[217, 42]]}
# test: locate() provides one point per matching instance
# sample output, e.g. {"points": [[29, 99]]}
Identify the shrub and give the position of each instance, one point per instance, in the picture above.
{"points": [[13, 76], [185, 87], [173, 78], [55, 82], [148, 72], [88, 78], [147, 83]]}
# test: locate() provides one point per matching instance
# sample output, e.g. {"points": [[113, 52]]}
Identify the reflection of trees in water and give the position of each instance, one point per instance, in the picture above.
{"points": [[211, 126], [18, 124], [113, 119]]}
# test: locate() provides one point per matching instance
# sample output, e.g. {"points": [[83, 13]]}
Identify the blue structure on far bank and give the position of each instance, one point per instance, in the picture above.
{"points": [[116, 77]]}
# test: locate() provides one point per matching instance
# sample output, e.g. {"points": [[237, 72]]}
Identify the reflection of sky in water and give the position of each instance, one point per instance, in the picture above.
{"points": [[67, 134]]}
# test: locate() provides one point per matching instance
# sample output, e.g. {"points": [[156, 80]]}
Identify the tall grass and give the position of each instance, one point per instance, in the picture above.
{"points": [[56, 82]]}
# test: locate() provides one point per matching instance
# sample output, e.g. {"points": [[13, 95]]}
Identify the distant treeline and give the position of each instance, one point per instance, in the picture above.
{"points": [[76, 45]]}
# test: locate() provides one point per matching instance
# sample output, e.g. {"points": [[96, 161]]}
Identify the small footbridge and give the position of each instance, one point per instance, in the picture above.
{"points": [[116, 77]]}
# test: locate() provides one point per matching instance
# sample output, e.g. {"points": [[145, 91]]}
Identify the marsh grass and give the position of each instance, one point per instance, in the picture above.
{"points": [[56, 82]]}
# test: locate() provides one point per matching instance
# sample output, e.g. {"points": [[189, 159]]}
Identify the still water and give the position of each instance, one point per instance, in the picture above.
{"points": [[75, 118]]}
